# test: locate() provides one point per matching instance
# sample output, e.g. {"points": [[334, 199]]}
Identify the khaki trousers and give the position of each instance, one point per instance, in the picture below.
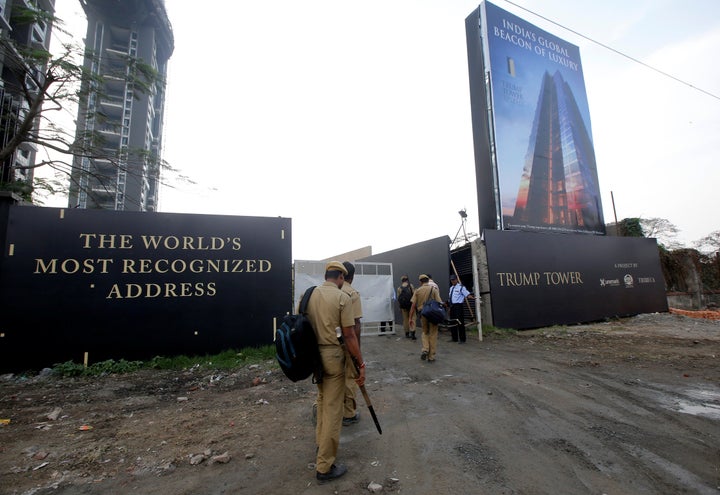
{"points": [[429, 338], [351, 388], [330, 401], [406, 320]]}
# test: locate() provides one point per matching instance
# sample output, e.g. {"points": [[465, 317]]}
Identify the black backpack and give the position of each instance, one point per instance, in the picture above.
{"points": [[405, 297], [296, 347]]}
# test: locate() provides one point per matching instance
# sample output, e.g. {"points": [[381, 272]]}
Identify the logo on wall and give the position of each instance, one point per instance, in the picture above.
{"points": [[615, 282], [629, 282]]}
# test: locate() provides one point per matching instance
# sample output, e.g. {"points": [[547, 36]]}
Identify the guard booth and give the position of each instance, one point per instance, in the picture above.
{"points": [[374, 282]]}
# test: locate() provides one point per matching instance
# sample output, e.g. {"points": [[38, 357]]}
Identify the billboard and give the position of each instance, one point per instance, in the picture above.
{"points": [[135, 285], [540, 279], [534, 152]]}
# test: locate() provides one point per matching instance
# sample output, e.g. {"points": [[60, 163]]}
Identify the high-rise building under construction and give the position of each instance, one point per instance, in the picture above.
{"points": [[120, 119]]}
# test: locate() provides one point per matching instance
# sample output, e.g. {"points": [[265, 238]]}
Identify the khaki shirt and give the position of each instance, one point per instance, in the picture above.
{"points": [[354, 299], [329, 309], [423, 294]]}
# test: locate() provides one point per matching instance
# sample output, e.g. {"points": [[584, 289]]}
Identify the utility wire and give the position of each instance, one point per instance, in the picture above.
{"points": [[615, 51]]}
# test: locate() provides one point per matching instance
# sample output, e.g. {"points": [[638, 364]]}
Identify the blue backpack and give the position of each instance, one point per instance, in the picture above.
{"points": [[296, 347]]}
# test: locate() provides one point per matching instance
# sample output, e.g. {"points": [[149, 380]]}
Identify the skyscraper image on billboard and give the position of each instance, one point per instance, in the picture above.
{"points": [[546, 170]]}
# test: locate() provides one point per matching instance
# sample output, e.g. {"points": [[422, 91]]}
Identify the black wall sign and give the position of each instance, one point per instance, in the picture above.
{"points": [[135, 285], [539, 279]]}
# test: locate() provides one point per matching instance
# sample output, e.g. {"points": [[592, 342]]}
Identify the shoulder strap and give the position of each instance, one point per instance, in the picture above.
{"points": [[305, 299]]}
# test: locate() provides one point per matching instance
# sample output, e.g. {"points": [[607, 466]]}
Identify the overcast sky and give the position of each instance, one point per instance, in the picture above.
{"points": [[353, 119]]}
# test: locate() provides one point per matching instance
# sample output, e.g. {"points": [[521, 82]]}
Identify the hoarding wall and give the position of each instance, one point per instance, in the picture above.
{"points": [[529, 105], [539, 279], [135, 285]]}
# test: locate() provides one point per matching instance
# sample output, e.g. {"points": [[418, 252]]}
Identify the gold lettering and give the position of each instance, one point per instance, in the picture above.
{"points": [[114, 292], [133, 291], [236, 244], [171, 242], [174, 266], [507, 279], [236, 267], [125, 241], [151, 241], [41, 267], [128, 266], [86, 238], [157, 266], [105, 262], [106, 241], [152, 290], [145, 265], [216, 243], [170, 290], [74, 266], [211, 291], [563, 278]]}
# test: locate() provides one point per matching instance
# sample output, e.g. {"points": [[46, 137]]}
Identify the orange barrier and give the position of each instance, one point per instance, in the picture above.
{"points": [[708, 315]]}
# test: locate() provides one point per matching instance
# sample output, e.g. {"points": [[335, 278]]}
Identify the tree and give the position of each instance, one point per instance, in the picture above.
{"points": [[629, 227], [661, 229], [710, 243], [43, 85]]}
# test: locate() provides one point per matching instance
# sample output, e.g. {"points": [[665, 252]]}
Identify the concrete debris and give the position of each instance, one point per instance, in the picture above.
{"points": [[40, 456], [197, 459], [223, 458], [375, 487], [54, 414]]}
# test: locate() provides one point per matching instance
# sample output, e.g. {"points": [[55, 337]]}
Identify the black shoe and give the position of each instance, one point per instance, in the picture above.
{"points": [[423, 356], [335, 472], [407, 335], [351, 420], [412, 336]]}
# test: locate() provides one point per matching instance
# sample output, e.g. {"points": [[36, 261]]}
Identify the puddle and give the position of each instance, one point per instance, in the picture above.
{"points": [[703, 402], [707, 410]]}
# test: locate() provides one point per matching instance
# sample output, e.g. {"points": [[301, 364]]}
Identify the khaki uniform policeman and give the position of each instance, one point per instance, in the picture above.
{"points": [[329, 310], [429, 330], [350, 414]]}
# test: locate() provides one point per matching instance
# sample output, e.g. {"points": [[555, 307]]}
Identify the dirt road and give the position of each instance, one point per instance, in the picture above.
{"points": [[625, 407]]}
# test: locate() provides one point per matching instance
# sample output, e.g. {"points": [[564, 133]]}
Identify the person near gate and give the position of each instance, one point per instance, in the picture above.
{"points": [[429, 330], [404, 295], [351, 415], [330, 311], [458, 294]]}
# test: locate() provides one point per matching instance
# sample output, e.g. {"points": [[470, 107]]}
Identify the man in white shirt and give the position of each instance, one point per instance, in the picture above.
{"points": [[458, 294]]}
